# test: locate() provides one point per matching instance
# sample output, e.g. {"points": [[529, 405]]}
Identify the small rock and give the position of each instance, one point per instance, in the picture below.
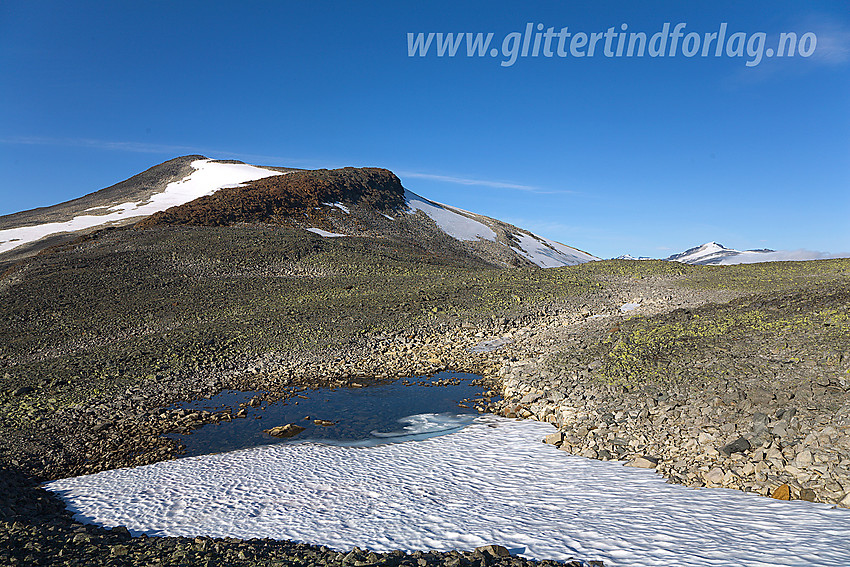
{"points": [[780, 429], [803, 459], [530, 398], [493, 550], [782, 492], [323, 422], [119, 550], [703, 438], [554, 438], [644, 462], [715, 476], [101, 426], [739, 445], [760, 396], [288, 430], [786, 413], [808, 495]]}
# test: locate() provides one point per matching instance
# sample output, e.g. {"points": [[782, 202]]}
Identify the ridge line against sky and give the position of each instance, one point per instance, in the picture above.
{"points": [[615, 156], [253, 159]]}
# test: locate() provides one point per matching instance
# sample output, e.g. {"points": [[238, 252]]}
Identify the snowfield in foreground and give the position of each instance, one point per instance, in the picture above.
{"points": [[492, 482], [207, 178]]}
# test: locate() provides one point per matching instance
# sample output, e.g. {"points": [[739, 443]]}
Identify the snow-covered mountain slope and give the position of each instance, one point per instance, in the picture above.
{"points": [[548, 253], [450, 220], [464, 225], [364, 202], [207, 177], [712, 253]]}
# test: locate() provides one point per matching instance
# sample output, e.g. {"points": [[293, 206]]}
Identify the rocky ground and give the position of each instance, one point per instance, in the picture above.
{"points": [[750, 395], [731, 376]]}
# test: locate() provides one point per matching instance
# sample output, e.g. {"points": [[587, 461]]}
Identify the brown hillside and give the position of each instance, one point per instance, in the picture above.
{"points": [[274, 198]]}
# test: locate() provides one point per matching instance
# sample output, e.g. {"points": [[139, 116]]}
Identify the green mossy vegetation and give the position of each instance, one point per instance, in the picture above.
{"points": [[90, 320]]}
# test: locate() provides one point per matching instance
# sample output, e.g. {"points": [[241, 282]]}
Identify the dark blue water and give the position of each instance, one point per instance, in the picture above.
{"points": [[372, 415]]}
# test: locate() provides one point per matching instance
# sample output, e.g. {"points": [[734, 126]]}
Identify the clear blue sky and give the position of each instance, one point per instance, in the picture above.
{"points": [[612, 155]]}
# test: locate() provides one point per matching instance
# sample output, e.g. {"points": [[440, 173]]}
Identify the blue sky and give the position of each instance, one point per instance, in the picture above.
{"points": [[638, 155]]}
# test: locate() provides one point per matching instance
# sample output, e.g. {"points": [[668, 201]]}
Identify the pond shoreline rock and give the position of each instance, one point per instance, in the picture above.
{"points": [[285, 431]]}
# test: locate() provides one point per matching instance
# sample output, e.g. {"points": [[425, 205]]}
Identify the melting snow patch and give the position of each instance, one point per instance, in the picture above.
{"points": [[629, 307], [321, 232], [548, 253], [207, 178], [491, 482], [339, 206], [491, 345], [452, 223]]}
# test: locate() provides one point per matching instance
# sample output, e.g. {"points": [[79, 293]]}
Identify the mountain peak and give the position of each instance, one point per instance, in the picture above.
{"points": [[275, 197], [364, 202], [713, 253]]}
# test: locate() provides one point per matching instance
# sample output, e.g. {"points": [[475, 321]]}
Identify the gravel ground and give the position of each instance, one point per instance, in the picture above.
{"points": [[96, 340]]}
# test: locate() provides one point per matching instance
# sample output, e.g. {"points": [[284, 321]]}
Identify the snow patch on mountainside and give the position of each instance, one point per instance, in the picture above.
{"points": [[455, 222], [452, 223], [548, 253], [339, 206], [325, 233], [208, 177]]}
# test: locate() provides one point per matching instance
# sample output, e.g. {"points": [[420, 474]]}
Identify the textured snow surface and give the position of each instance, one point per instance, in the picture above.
{"points": [[548, 253], [492, 482], [321, 232], [207, 178], [454, 224]]}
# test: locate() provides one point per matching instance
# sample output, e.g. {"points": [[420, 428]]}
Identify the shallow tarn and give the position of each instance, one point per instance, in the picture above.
{"points": [[400, 410], [489, 481]]}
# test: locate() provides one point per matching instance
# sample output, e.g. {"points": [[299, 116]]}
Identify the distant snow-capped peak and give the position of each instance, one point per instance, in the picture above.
{"points": [[713, 253]]}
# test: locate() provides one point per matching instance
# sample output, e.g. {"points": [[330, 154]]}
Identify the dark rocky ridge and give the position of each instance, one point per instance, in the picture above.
{"points": [[273, 199]]}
